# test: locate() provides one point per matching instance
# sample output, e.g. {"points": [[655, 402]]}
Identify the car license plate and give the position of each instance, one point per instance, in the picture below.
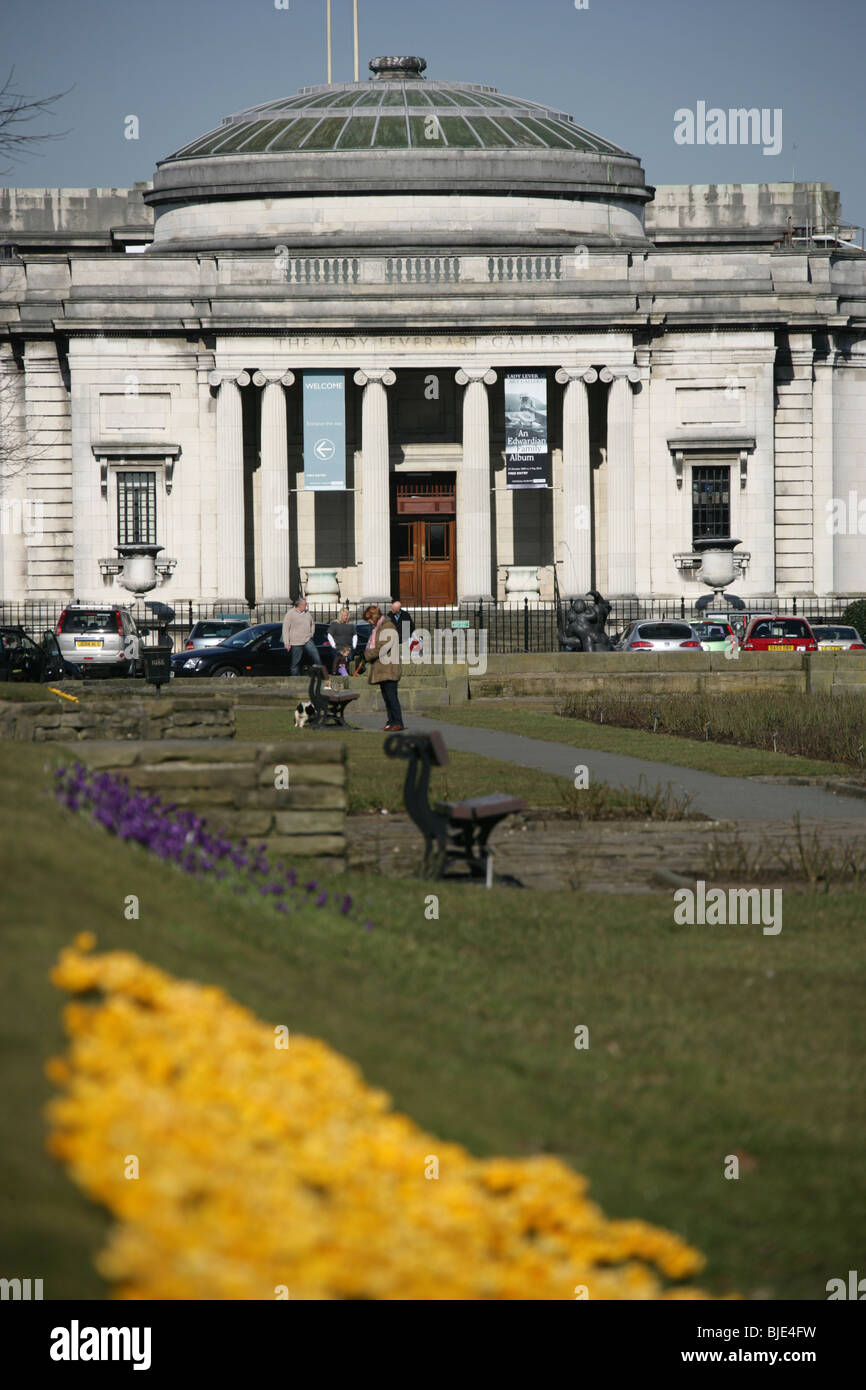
{"points": [[88, 644], [832, 649]]}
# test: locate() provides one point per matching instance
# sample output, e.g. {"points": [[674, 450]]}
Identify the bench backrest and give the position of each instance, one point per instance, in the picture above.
{"points": [[428, 749], [317, 673], [421, 753], [438, 751]]}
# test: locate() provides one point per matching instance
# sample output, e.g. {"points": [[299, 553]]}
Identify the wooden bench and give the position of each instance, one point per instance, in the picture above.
{"points": [[330, 705], [455, 832]]}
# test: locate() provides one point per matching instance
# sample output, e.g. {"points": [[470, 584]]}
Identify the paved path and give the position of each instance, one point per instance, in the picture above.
{"points": [[722, 798]]}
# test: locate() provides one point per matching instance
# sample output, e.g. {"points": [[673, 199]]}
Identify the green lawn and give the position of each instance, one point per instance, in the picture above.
{"points": [[27, 691], [514, 717], [376, 783], [703, 1041]]}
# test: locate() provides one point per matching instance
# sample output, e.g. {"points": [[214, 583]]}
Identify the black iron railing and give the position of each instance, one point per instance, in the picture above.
{"points": [[519, 627]]}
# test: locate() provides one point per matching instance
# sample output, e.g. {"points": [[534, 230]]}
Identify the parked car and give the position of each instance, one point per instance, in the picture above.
{"points": [[736, 618], [771, 633], [23, 659], [210, 632], [100, 637], [833, 638], [257, 651], [715, 636], [658, 635]]}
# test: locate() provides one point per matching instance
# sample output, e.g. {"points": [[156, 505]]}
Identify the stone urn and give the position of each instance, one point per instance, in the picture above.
{"points": [[139, 567], [521, 582], [718, 563], [322, 587]]}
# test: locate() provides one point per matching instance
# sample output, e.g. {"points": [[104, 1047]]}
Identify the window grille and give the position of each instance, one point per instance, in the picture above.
{"points": [[136, 508], [711, 502]]}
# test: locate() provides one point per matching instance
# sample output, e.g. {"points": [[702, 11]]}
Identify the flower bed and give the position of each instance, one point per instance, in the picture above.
{"points": [[182, 838], [268, 1171]]}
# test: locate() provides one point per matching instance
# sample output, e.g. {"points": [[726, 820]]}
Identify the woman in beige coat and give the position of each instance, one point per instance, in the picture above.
{"points": [[382, 654]]}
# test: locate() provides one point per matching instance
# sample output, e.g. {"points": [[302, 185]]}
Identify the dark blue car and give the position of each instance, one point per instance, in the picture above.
{"points": [[22, 659], [257, 651]]}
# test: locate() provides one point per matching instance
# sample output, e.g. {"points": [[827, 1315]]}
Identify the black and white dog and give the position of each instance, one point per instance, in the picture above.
{"points": [[304, 713]]}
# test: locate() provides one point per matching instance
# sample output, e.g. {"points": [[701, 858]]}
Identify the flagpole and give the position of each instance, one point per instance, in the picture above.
{"points": [[330, 55], [357, 58]]}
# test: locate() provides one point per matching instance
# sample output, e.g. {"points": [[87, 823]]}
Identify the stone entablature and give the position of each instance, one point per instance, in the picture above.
{"points": [[250, 294]]}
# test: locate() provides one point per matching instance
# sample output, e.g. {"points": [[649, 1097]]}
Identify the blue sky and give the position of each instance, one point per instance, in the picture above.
{"points": [[621, 68]]}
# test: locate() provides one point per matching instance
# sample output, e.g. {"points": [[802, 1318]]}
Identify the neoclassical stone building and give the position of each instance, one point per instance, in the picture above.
{"points": [[493, 296]]}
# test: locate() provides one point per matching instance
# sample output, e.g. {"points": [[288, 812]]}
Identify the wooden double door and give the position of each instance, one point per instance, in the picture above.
{"points": [[425, 542]]}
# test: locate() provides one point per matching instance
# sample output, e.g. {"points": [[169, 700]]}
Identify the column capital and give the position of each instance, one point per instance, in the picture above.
{"points": [[566, 374], [273, 378], [467, 374], [364, 376], [631, 374], [239, 378]]}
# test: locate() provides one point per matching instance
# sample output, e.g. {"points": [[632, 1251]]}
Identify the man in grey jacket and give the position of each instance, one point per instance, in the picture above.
{"points": [[298, 629]]}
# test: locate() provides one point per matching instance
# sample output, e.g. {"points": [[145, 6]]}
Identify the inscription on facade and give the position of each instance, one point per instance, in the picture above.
{"points": [[410, 342]]}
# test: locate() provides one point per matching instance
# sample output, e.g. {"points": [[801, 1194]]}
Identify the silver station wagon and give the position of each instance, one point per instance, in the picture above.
{"points": [[100, 637], [210, 632], [833, 637], [658, 635]]}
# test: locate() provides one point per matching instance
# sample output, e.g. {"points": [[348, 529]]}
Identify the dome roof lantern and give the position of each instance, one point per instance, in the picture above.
{"points": [[397, 69]]}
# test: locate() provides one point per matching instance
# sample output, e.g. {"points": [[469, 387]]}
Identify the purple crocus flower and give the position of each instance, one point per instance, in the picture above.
{"points": [[182, 838]]}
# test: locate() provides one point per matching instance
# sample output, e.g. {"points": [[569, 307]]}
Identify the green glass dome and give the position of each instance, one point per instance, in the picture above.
{"points": [[398, 161], [397, 110]]}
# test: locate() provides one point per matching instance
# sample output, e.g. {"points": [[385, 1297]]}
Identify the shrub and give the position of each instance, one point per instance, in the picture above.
{"points": [[855, 615], [810, 726]]}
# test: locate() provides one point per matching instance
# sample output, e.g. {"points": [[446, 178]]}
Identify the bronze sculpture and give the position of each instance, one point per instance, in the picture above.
{"points": [[584, 625]]}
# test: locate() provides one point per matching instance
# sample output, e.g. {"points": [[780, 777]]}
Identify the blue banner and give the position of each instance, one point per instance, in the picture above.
{"points": [[324, 432]]}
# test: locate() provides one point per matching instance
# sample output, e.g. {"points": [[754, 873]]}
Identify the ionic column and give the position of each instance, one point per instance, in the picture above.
{"points": [[375, 472], [823, 490], [274, 483], [230, 519], [575, 575], [474, 559], [621, 531]]}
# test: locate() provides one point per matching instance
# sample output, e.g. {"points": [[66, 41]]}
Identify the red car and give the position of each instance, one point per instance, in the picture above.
{"points": [[779, 634]]}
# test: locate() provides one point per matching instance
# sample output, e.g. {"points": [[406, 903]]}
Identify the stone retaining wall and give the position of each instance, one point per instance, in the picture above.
{"points": [[121, 716], [290, 796], [633, 675]]}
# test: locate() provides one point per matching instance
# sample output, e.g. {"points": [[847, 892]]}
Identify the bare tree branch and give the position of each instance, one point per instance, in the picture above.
{"points": [[20, 446], [16, 110]]}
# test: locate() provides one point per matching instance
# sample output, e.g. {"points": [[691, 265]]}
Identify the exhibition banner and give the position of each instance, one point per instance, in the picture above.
{"points": [[526, 448], [324, 432]]}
